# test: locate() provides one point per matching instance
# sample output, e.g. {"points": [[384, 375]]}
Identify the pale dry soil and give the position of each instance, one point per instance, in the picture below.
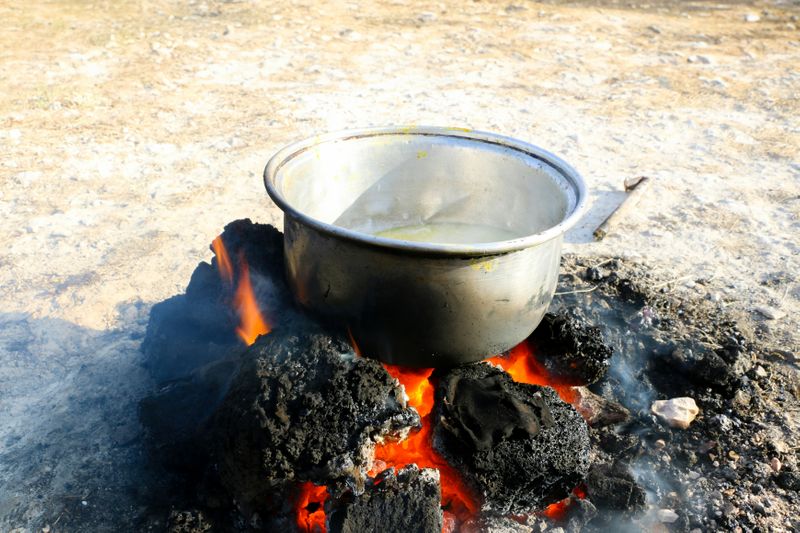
{"points": [[131, 132]]}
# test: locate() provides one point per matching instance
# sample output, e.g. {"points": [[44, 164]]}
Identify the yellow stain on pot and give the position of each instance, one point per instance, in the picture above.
{"points": [[485, 265], [421, 154]]}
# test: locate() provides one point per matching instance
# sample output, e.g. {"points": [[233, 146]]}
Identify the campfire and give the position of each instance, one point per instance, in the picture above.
{"points": [[284, 424]]}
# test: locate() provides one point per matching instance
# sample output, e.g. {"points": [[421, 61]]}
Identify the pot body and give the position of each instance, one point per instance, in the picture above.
{"points": [[419, 303], [422, 310]]}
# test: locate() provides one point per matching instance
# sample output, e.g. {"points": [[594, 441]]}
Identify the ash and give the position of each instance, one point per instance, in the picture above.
{"points": [[732, 468]]}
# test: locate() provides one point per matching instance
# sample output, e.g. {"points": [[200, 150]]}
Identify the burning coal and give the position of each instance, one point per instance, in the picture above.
{"points": [[309, 508], [457, 498]]}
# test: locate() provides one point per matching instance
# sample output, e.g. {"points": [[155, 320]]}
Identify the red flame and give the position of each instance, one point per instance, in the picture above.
{"points": [[523, 367], [251, 322], [309, 508], [457, 498]]}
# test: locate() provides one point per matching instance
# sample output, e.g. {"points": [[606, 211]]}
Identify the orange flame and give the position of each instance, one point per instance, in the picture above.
{"points": [[523, 367], [223, 261], [457, 498], [309, 508], [251, 322], [356, 349]]}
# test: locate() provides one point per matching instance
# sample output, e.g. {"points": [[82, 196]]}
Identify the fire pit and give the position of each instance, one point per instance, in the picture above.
{"points": [[271, 420]]}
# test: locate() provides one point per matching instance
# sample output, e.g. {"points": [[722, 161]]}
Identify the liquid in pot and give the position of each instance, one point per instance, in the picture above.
{"points": [[448, 233]]}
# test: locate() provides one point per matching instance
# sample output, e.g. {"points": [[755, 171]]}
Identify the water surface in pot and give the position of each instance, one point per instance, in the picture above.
{"points": [[449, 233]]}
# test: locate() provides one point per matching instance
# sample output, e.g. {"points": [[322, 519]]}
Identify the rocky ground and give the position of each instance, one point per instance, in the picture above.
{"points": [[132, 132]]}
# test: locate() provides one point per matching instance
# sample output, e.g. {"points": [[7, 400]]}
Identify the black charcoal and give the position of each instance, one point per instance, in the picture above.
{"points": [[408, 501], [304, 408], [519, 446], [571, 350]]}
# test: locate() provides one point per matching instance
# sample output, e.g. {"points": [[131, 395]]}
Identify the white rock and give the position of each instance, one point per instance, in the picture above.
{"points": [[698, 59], [770, 312], [775, 464], [667, 516], [751, 17], [676, 412]]}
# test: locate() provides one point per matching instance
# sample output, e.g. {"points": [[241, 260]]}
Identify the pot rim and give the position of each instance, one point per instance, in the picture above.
{"points": [[574, 179]]}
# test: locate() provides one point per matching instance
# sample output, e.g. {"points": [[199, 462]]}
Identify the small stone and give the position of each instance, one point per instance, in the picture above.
{"points": [[775, 464], [770, 313], [598, 411], [667, 516], [46, 529], [84, 503], [733, 455], [659, 444], [698, 59], [676, 412], [760, 372], [741, 400], [654, 29], [723, 422], [751, 17]]}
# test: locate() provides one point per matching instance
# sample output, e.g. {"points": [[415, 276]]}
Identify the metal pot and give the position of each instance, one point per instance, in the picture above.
{"points": [[424, 304]]}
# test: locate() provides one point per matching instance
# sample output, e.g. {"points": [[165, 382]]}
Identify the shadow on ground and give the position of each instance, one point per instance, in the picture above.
{"points": [[71, 448]]}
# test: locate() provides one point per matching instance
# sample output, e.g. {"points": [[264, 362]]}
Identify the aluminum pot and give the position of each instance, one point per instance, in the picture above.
{"points": [[425, 304]]}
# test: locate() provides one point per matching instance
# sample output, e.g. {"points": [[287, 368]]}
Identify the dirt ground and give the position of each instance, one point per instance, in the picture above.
{"points": [[131, 132]]}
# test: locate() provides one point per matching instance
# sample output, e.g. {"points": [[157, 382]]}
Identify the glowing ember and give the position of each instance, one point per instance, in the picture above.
{"points": [[251, 322], [523, 367], [558, 511], [309, 508], [223, 261], [457, 498]]}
